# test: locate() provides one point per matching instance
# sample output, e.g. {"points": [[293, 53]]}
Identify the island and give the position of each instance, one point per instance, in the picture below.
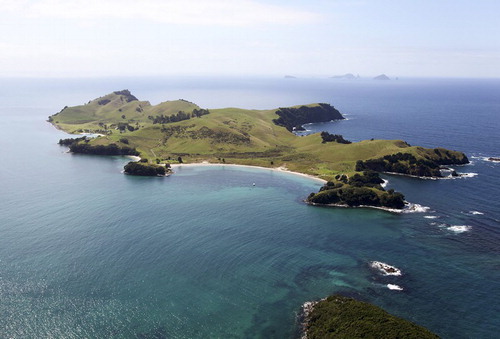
{"points": [[347, 76], [381, 77], [342, 317], [180, 131]]}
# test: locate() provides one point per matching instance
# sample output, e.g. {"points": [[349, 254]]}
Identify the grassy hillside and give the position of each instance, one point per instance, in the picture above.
{"points": [[229, 135]]}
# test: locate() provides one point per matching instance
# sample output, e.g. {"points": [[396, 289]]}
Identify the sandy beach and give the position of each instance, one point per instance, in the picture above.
{"points": [[275, 169]]}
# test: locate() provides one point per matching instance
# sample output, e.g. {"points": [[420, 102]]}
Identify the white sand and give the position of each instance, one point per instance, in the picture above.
{"points": [[276, 169]]}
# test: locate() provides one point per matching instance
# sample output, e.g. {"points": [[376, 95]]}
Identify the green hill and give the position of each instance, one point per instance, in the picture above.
{"points": [[171, 129]]}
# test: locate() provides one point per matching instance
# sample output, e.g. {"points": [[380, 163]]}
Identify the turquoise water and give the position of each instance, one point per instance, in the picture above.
{"points": [[88, 252]]}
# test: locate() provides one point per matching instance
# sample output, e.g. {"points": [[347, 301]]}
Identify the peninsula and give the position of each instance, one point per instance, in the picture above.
{"points": [[180, 131]]}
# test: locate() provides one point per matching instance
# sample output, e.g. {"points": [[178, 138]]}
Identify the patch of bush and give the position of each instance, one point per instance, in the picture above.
{"points": [[142, 169], [327, 137], [126, 94], [70, 141], [111, 149]]}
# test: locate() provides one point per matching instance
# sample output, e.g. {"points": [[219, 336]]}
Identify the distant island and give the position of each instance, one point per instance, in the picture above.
{"points": [[382, 77], [180, 131], [342, 317], [347, 76]]}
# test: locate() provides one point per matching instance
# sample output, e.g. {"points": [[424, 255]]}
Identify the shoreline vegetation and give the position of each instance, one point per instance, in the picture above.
{"points": [[142, 168], [180, 132], [341, 317]]}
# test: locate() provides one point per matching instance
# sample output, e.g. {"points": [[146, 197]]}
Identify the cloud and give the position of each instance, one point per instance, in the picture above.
{"points": [[185, 12]]}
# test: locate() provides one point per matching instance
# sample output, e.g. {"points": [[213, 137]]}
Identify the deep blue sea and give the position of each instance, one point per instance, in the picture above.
{"points": [[87, 252]]}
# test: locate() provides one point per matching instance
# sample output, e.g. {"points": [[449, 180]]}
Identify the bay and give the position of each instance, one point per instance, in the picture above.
{"points": [[86, 251]]}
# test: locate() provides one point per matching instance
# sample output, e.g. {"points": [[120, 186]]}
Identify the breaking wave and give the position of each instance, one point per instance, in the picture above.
{"points": [[415, 208], [455, 228], [459, 228], [394, 287]]}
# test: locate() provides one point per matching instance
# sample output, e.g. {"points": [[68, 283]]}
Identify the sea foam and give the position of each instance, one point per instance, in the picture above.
{"points": [[415, 208], [487, 159], [460, 176], [459, 228], [455, 228], [394, 287], [384, 184]]}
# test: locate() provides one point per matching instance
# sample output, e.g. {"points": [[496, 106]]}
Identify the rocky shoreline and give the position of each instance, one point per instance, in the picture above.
{"points": [[304, 316], [409, 207]]}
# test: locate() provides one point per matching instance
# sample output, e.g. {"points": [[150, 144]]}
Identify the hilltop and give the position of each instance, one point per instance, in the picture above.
{"points": [[181, 131], [381, 77]]}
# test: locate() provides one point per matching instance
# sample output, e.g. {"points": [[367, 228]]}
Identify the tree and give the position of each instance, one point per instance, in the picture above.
{"points": [[327, 137]]}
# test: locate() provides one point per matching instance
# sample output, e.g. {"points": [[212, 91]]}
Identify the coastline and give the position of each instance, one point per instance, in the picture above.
{"points": [[274, 169], [409, 208], [305, 316], [461, 175]]}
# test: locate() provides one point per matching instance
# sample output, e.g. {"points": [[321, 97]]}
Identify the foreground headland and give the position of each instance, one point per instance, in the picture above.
{"points": [[342, 317]]}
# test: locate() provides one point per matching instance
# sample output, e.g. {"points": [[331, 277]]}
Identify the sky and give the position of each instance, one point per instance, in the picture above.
{"points": [[304, 38]]}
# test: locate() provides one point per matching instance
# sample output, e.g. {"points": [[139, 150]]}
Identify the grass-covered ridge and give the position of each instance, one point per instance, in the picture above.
{"points": [[231, 135], [342, 317]]}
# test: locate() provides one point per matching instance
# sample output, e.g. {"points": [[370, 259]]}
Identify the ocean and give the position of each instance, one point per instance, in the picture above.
{"points": [[87, 252]]}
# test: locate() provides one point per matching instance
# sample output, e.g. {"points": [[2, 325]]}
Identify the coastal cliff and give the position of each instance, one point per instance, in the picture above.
{"points": [[405, 163], [292, 118]]}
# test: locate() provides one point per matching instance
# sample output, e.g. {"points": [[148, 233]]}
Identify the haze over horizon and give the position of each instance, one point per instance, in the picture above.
{"points": [[91, 38]]}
